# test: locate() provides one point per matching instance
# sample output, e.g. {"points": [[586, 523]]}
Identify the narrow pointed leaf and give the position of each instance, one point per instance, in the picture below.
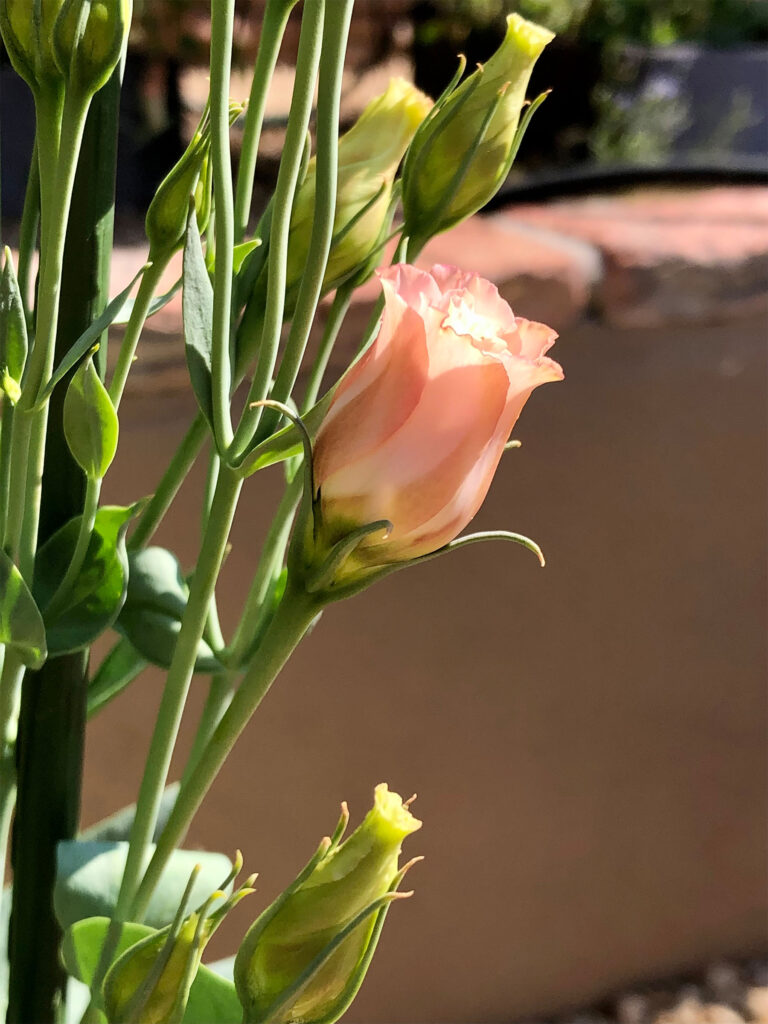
{"points": [[21, 624], [287, 442], [159, 302], [117, 671], [198, 319], [99, 591], [87, 339]]}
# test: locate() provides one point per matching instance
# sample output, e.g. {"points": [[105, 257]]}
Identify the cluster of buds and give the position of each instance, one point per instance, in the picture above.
{"points": [[77, 42]]}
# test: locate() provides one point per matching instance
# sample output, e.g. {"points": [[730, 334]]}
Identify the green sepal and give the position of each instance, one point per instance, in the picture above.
{"points": [[150, 618], [14, 342], [99, 591], [21, 624], [90, 421]]}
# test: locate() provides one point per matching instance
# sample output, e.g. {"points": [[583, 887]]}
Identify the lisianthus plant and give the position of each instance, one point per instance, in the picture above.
{"points": [[384, 466]]}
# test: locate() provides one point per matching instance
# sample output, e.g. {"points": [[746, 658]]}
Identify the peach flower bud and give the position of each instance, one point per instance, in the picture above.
{"points": [[417, 427]]}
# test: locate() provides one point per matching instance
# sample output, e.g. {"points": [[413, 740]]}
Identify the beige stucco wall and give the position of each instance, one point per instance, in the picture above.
{"points": [[587, 741]]}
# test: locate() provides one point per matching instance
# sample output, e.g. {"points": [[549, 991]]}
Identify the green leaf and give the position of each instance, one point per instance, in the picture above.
{"points": [[90, 421], [13, 325], [197, 305], [121, 666], [88, 876], [243, 250], [155, 603], [118, 825], [212, 999], [87, 340], [286, 442], [99, 591], [21, 624]]}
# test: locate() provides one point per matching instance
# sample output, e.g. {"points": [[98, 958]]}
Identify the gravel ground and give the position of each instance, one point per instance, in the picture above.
{"points": [[726, 993]]}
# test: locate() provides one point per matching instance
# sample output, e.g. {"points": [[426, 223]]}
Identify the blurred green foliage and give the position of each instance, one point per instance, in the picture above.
{"points": [[616, 22]]}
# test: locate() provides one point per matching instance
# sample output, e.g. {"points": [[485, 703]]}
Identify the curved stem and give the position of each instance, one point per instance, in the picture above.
{"points": [[222, 25], [335, 32], [336, 314], [272, 31], [150, 279], [298, 122], [61, 595], [288, 627]]}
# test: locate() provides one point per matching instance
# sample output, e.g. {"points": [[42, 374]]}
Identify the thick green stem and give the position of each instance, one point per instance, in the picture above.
{"points": [[272, 30], [52, 722], [222, 25], [287, 177], [288, 627], [172, 705]]}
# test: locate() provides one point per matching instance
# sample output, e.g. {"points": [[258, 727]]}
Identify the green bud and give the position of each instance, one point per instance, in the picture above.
{"points": [[13, 332], [152, 979], [27, 31], [305, 957], [90, 421], [476, 123], [168, 213], [88, 38], [369, 156]]}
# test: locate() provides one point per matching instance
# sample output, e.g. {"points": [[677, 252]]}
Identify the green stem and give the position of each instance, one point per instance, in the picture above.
{"points": [[272, 30], [62, 593], [169, 485], [172, 706], [336, 314], [298, 122], [30, 222], [6, 437], [222, 27], [218, 700], [335, 32], [288, 627], [150, 279]]}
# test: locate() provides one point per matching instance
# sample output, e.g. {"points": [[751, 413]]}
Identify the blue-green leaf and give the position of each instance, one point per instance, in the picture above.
{"points": [[197, 304], [155, 603], [212, 999], [121, 666], [21, 624], [118, 826], [88, 876], [98, 593]]}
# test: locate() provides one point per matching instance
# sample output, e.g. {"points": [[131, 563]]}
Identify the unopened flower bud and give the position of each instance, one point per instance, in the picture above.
{"points": [[28, 39], [88, 39], [369, 156], [297, 962], [437, 191]]}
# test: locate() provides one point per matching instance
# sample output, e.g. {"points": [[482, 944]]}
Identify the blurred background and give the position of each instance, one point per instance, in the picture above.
{"points": [[588, 741]]}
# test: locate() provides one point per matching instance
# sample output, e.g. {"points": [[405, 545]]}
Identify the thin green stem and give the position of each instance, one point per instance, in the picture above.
{"points": [[150, 280], [287, 177], [218, 700], [335, 32], [291, 621], [6, 436], [270, 565], [336, 314], [61, 595], [222, 26], [172, 705], [272, 30], [174, 476]]}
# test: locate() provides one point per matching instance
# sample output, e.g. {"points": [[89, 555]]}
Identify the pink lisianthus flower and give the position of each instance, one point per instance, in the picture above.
{"points": [[417, 427]]}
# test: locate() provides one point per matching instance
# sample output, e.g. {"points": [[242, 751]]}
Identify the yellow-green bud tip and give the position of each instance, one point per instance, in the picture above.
{"points": [[527, 35], [390, 817]]}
